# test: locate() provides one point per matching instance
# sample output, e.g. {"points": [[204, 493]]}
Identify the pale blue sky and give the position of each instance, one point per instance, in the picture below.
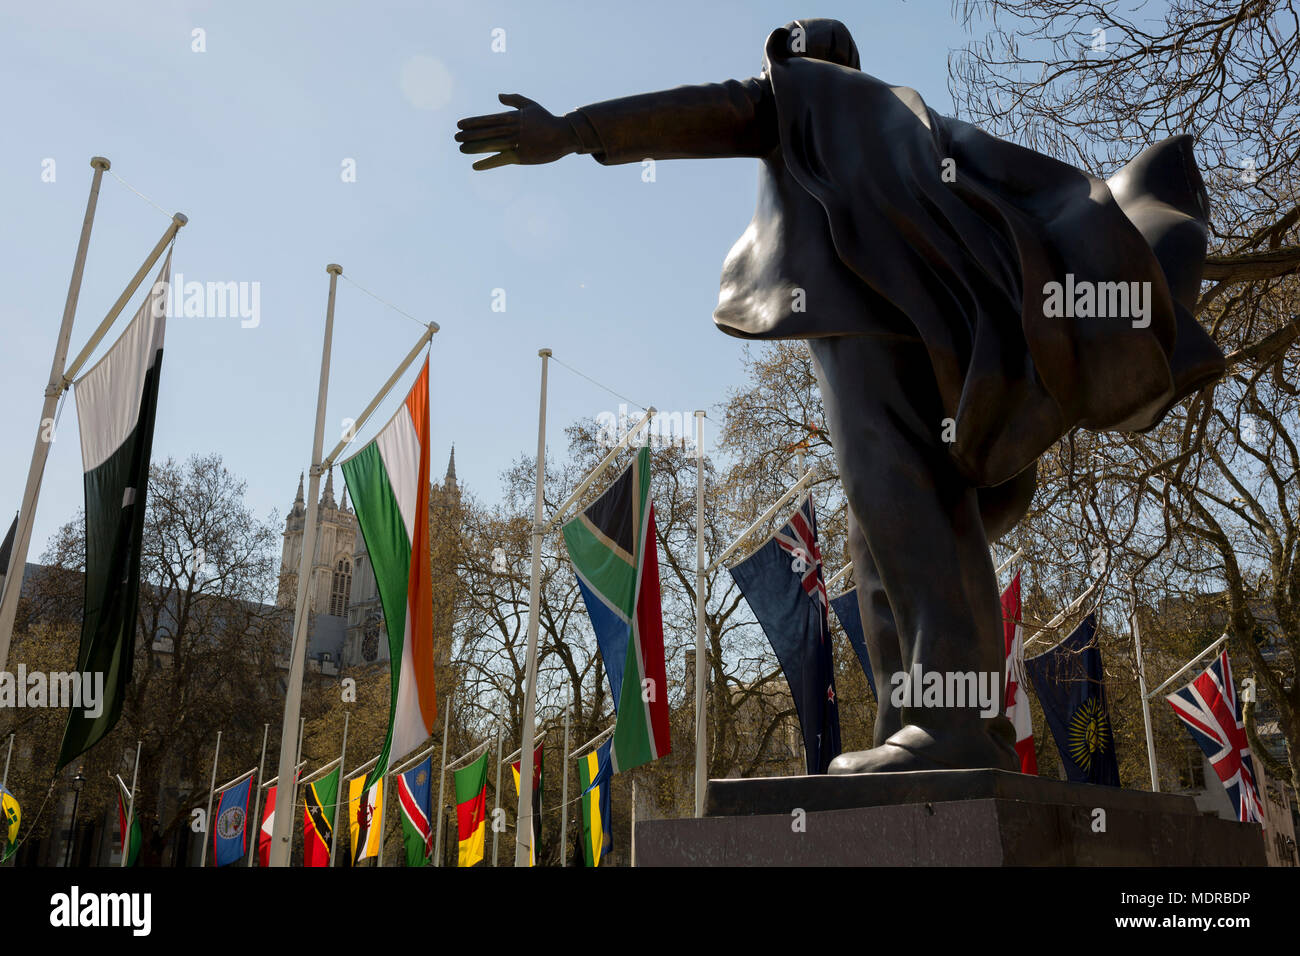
{"points": [[618, 276]]}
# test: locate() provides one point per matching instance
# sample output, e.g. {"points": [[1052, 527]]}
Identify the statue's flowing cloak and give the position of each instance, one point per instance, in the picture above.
{"points": [[878, 216]]}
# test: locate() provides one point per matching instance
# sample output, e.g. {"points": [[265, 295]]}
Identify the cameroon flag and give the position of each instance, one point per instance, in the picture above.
{"points": [[389, 482], [612, 547], [471, 810], [595, 776], [318, 826]]}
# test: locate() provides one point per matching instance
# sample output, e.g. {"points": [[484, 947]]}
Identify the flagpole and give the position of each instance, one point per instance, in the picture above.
{"points": [[1142, 690], [338, 789], [207, 821], [383, 815], [4, 781], [282, 831], [130, 807], [257, 802], [442, 782], [564, 795], [634, 817], [524, 813], [496, 799], [762, 520], [701, 683], [1190, 664], [36, 470]]}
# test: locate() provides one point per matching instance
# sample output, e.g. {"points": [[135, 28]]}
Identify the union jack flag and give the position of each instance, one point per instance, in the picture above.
{"points": [[798, 538], [1211, 709]]}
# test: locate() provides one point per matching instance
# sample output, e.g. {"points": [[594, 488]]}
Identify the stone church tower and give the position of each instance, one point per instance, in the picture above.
{"points": [[347, 617]]}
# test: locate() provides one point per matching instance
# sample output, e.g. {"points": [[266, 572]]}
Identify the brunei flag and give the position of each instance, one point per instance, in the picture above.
{"points": [[129, 837], [318, 822], [471, 810], [11, 815], [366, 815], [537, 801], [116, 403], [389, 483], [595, 774], [612, 547]]}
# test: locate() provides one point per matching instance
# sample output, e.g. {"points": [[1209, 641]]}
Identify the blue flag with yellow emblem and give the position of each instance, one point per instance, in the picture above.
{"points": [[1071, 686], [230, 835]]}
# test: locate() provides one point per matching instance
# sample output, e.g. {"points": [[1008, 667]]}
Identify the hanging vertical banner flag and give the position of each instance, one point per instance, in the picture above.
{"points": [[7, 549], [414, 796], [318, 819], [116, 404], [615, 556], [1016, 700], [365, 816], [12, 815], [846, 609], [471, 810], [595, 778], [1211, 709], [782, 582], [389, 483], [230, 833], [128, 838], [534, 850], [1071, 686], [268, 824]]}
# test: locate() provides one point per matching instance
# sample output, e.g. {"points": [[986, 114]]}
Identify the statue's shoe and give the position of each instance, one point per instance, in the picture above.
{"points": [[915, 748]]}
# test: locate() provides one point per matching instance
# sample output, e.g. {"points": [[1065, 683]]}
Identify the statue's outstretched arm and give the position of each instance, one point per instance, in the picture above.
{"points": [[735, 118]]}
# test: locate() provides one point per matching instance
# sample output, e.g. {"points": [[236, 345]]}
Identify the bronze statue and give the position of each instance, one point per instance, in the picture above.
{"points": [[966, 301]]}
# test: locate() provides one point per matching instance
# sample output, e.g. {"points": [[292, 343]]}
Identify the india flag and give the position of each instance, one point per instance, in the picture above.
{"points": [[389, 483]]}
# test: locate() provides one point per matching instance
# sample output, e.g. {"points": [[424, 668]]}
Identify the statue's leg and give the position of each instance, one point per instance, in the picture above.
{"points": [[923, 528], [878, 631]]}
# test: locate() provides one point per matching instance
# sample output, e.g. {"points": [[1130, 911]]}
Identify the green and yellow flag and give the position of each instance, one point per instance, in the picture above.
{"points": [[318, 823], [595, 775], [366, 813], [471, 810], [12, 815]]}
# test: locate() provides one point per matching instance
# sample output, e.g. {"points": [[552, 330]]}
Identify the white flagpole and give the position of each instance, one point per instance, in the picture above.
{"points": [[701, 657], [130, 806], [383, 815], [338, 790], [1189, 665], [564, 795], [496, 799], [35, 471], [442, 782], [257, 803], [762, 520], [524, 813], [4, 781], [1142, 690], [207, 821], [634, 818], [282, 831]]}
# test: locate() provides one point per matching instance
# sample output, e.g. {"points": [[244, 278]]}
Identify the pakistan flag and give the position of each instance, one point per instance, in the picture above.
{"points": [[116, 403]]}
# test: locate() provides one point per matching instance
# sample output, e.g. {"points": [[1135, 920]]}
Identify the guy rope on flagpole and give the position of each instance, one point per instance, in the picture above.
{"points": [[207, 820], [60, 378]]}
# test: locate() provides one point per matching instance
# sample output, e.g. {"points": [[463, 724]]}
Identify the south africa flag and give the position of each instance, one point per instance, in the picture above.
{"points": [[612, 547]]}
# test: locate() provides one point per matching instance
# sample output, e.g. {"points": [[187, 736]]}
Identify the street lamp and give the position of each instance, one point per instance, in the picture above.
{"points": [[78, 782]]}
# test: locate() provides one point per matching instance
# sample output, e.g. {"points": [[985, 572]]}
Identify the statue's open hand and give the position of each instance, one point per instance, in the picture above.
{"points": [[527, 135]]}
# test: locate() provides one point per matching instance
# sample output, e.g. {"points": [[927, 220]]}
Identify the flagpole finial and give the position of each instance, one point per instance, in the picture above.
{"points": [[544, 353], [99, 162], [334, 269], [180, 219]]}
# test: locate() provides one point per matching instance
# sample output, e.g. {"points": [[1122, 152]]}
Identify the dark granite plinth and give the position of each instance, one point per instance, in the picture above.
{"points": [[943, 818]]}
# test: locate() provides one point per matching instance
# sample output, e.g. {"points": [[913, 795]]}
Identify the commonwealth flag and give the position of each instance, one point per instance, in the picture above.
{"points": [[782, 582], [366, 814], [414, 795], [613, 550], [1071, 686], [131, 837], [535, 849], [389, 482], [12, 815], [595, 776], [471, 810], [318, 825], [116, 403]]}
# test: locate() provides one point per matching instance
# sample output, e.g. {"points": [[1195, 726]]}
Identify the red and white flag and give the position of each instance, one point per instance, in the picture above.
{"points": [[1016, 700], [268, 824]]}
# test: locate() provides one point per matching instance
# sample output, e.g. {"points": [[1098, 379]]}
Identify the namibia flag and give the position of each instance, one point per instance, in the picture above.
{"points": [[612, 547], [1071, 686], [595, 774]]}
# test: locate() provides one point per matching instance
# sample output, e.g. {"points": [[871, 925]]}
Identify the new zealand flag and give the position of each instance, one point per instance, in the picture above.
{"points": [[846, 609], [1071, 686], [782, 581]]}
